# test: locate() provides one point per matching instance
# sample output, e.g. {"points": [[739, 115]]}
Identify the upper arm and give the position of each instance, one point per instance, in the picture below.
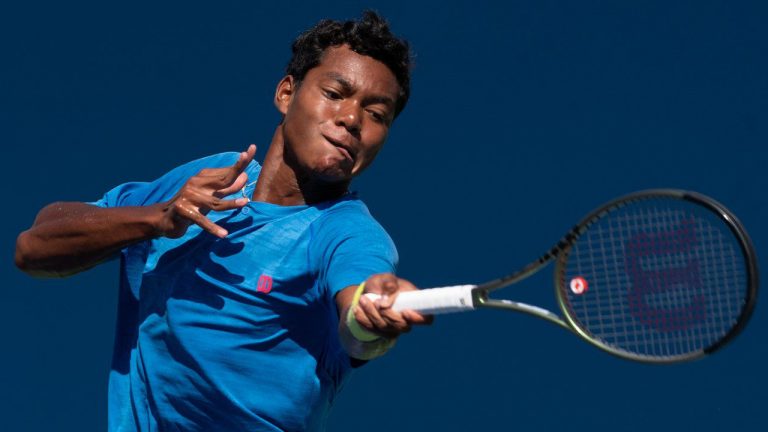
{"points": [[350, 246]]}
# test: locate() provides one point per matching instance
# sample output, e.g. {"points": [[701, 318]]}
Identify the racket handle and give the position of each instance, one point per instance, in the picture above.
{"points": [[434, 301]]}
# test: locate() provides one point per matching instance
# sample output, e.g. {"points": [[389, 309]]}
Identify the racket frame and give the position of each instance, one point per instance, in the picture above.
{"points": [[559, 253]]}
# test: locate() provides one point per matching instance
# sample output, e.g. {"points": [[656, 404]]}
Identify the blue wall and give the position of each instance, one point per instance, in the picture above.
{"points": [[524, 116]]}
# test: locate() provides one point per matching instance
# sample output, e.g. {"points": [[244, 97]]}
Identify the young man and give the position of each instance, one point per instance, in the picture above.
{"points": [[237, 280]]}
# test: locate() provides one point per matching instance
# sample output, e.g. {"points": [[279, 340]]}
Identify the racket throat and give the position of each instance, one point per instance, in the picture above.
{"points": [[484, 301]]}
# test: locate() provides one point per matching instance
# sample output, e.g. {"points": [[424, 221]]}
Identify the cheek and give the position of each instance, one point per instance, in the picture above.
{"points": [[300, 121], [375, 138], [310, 106], [374, 141]]}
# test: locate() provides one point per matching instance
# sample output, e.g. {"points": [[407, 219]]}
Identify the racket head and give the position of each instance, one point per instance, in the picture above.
{"points": [[658, 276]]}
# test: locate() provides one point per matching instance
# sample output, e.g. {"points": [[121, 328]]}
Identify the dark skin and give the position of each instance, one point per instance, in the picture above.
{"points": [[334, 123]]}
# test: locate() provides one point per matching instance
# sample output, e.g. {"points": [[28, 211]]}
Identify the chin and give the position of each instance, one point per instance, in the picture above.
{"points": [[331, 171], [333, 176]]}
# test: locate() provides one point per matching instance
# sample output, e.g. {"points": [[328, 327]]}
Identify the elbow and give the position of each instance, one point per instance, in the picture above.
{"points": [[22, 255], [27, 261]]}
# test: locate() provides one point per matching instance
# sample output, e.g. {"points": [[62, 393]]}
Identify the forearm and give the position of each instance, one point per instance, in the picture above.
{"points": [[69, 237]]}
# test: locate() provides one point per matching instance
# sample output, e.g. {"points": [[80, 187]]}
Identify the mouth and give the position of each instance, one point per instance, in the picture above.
{"points": [[343, 148]]}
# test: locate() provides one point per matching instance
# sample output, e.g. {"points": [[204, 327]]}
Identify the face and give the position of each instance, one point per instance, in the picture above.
{"points": [[338, 118]]}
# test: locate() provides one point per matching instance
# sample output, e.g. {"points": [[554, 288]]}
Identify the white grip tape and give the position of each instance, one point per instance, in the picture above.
{"points": [[434, 300]]}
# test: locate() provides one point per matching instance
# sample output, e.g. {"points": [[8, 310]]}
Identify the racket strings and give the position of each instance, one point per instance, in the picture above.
{"points": [[665, 278]]}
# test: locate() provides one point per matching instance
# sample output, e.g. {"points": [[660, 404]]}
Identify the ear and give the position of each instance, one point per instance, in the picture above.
{"points": [[284, 93]]}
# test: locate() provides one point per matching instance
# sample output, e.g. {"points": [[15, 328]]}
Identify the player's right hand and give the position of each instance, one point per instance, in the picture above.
{"points": [[378, 316], [203, 193]]}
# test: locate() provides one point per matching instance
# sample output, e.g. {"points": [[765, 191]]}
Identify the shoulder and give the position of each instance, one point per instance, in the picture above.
{"points": [[218, 160], [349, 213], [182, 173], [164, 187], [350, 220], [348, 245]]}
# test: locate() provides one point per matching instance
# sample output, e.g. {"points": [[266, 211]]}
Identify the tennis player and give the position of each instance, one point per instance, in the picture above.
{"points": [[240, 301]]}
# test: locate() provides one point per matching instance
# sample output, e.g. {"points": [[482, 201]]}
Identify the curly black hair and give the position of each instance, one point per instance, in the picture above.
{"points": [[369, 36]]}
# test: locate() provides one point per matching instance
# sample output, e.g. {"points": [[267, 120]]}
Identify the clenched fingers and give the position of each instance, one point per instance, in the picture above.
{"points": [[378, 315], [386, 322]]}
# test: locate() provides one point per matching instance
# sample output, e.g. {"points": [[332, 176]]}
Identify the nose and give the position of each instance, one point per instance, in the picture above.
{"points": [[349, 117]]}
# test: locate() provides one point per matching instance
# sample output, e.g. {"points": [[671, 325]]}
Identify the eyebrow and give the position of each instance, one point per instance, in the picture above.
{"points": [[349, 87]]}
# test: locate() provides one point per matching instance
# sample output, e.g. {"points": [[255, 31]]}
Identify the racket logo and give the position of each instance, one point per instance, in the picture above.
{"points": [[579, 285], [656, 278]]}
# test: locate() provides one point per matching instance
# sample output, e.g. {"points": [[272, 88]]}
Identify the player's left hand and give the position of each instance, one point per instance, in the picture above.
{"points": [[378, 316]]}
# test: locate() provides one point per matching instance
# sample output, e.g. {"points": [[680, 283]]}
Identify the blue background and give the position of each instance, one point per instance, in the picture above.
{"points": [[524, 116]]}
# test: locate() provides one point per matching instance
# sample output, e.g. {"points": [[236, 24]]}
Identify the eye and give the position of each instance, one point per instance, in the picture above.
{"points": [[332, 94], [377, 116]]}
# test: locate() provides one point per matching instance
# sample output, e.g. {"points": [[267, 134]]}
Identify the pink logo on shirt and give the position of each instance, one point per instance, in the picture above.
{"points": [[265, 284]]}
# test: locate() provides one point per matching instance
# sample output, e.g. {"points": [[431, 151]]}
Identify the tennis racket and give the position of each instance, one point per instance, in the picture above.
{"points": [[656, 276]]}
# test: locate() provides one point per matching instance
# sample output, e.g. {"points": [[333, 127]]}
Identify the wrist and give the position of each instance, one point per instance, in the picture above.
{"points": [[156, 220], [368, 350], [355, 329], [360, 342]]}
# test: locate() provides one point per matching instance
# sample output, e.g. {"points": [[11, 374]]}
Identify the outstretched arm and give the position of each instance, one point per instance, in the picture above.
{"points": [[380, 324], [69, 237]]}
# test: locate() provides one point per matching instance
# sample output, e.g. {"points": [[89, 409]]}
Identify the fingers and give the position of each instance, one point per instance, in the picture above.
{"points": [[194, 205], [198, 218], [220, 178], [384, 284], [414, 317], [242, 162], [378, 315], [245, 158], [386, 322], [222, 205], [411, 316], [239, 183], [206, 203], [203, 193]]}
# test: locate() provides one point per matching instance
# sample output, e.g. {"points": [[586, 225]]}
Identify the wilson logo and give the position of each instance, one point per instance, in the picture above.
{"points": [[265, 284], [665, 281]]}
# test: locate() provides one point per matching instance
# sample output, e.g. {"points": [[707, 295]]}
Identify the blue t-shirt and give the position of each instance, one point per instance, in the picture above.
{"points": [[239, 333]]}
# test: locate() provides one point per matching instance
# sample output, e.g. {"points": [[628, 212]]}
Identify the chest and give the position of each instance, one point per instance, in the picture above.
{"points": [[264, 262]]}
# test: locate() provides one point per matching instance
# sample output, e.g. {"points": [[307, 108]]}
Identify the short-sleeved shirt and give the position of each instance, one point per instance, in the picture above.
{"points": [[238, 333]]}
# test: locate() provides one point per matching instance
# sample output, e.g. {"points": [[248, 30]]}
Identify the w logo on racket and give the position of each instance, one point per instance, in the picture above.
{"points": [[651, 260]]}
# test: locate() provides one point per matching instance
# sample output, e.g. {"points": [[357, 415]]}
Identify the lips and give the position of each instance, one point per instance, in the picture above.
{"points": [[343, 146], [346, 154]]}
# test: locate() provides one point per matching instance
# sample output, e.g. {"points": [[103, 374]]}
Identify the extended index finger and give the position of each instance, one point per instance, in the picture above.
{"points": [[242, 162], [224, 177], [245, 158]]}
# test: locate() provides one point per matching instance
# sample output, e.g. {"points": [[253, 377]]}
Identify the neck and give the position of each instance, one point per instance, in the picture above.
{"points": [[282, 182]]}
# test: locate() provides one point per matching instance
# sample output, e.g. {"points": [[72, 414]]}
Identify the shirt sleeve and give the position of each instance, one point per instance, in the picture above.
{"points": [[351, 246], [165, 187]]}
